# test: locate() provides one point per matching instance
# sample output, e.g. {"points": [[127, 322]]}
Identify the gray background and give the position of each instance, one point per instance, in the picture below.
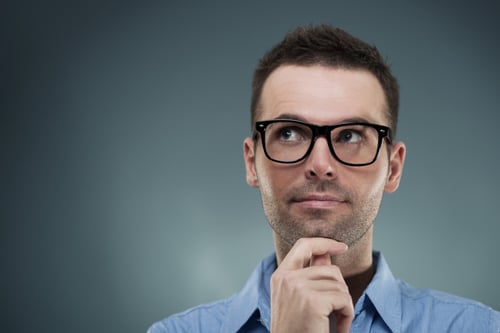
{"points": [[123, 190]]}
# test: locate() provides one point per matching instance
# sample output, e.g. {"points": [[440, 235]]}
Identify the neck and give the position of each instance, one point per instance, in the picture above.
{"points": [[356, 265], [359, 282]]}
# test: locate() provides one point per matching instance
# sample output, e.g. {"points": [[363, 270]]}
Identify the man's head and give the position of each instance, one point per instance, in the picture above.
{"points": [[331, 47], [320, 195]]}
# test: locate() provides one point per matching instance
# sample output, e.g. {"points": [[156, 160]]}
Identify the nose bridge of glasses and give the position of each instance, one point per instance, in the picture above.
{"points": [[325, 133], [321, 131]]}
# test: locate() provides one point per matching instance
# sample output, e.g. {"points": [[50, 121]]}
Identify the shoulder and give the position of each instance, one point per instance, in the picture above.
{"points": [[448, 312], [227, 315], [206, 317]]}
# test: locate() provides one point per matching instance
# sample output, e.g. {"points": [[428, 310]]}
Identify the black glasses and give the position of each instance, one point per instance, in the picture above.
{"points": [[291, 141]]}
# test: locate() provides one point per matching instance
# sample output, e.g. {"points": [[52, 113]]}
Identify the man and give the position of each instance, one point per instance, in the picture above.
{"points": [[324, 114]]}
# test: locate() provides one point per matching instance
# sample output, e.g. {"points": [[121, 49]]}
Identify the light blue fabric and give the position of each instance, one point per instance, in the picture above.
{"points": [[387, 305]]}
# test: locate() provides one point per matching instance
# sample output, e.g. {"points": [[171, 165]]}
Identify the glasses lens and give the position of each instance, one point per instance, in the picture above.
{"points": [[287, 141], [355, 144]]}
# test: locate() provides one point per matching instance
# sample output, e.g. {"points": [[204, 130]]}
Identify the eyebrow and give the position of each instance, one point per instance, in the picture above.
{"points": [[289, 116]]}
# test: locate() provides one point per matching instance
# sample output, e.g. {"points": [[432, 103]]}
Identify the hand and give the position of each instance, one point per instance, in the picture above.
{"points": [[308, 293]]}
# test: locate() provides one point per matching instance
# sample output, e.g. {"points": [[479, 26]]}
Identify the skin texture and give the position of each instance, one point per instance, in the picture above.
{"points": [[320, 210]]}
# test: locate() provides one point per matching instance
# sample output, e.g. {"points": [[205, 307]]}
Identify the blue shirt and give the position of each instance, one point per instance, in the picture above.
{"points": [[387, 305]]}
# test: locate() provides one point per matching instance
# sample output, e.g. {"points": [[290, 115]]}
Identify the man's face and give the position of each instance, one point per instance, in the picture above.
{"points": [[319, 196]]}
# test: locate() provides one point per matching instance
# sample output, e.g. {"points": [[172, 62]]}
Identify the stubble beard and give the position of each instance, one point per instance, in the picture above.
{"points": [[347, 227]]}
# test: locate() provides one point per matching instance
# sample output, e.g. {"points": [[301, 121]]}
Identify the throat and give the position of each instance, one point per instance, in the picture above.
{"points": [[359, 282]]}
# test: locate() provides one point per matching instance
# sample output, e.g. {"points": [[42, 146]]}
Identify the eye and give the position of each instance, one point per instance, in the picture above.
{"points": [[290, 133], [349, 136]]}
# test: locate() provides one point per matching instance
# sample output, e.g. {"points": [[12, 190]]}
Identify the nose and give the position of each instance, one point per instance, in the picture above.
{"points": [[320, 163]]}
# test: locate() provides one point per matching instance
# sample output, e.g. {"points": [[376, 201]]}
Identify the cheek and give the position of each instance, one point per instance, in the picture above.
{"points": [[274, 180], [378, 185], [269, 183], [368, 183]]}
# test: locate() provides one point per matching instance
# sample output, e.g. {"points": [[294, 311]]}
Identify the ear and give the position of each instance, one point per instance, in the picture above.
{"points": [[396, 163], [249, 157]]}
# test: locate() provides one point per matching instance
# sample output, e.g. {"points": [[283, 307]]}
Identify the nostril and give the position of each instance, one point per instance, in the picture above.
{"points": [[323, 172], [311, 173]]}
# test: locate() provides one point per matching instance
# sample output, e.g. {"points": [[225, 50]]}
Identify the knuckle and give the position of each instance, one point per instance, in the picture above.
{"points": [[275, 278], [280, 277], [335, 272]]}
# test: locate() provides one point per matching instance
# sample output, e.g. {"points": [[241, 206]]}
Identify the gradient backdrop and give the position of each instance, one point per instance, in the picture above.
{"points": [[123, 190]]}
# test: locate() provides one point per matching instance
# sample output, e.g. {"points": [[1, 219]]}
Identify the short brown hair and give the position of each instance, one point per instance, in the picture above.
{"points": [[332, 47]]}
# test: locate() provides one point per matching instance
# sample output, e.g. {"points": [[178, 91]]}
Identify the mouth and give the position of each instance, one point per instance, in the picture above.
{"points": [[317, 201]]}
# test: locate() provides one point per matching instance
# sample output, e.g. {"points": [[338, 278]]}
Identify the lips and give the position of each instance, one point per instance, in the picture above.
{"points": [[318, 200]]}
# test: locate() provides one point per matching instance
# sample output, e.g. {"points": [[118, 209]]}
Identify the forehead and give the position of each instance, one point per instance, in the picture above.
{"points": [[323, 95]]}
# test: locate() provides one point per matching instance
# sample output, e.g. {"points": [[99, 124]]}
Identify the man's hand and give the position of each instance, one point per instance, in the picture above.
{"points": [[308, 293]]}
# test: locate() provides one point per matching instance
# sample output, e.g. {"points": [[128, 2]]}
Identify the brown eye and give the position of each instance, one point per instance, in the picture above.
{"points": [[349, 136], [289, 133]]}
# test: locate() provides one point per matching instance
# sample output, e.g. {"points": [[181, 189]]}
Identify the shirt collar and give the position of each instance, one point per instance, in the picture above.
{"points": [[383, 292]]}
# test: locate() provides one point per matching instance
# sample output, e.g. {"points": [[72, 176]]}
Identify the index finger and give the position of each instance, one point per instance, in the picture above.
{"points": [[305, 248]]}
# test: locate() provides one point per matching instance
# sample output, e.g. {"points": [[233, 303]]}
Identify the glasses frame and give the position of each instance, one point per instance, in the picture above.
{"points": [[384, 132]]}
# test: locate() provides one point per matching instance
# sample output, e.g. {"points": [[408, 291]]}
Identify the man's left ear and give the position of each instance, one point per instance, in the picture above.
{"points": [[396, 163]]}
